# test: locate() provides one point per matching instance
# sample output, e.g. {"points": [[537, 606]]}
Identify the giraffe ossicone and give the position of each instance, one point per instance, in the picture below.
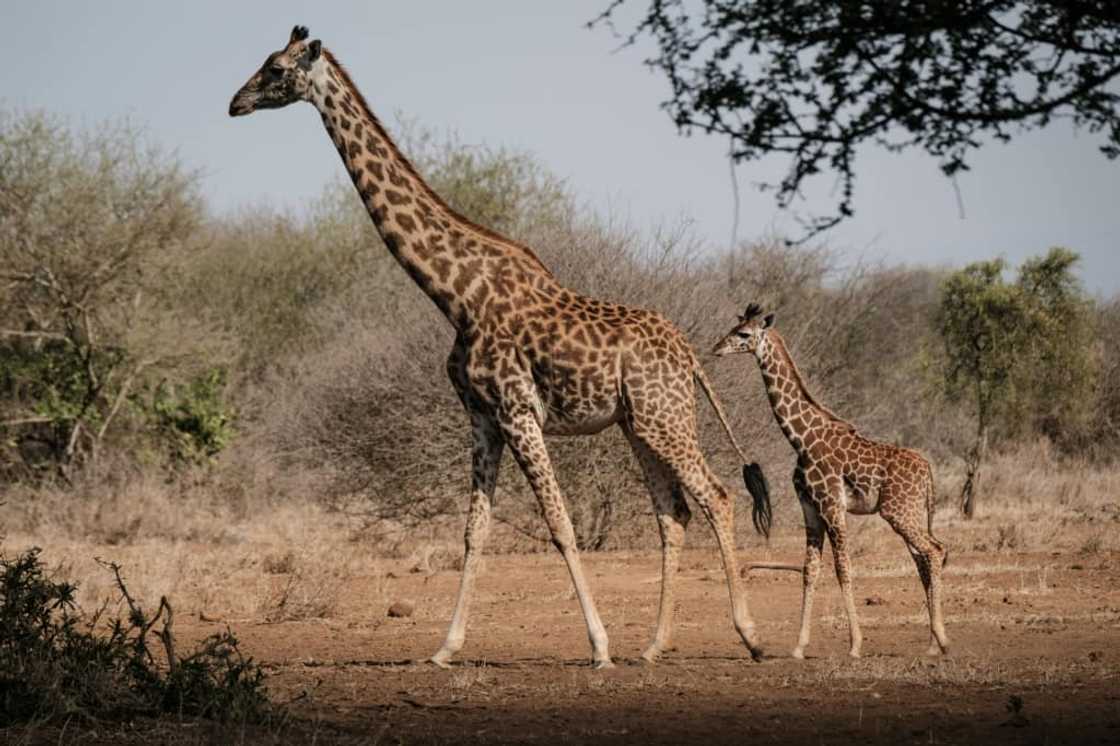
{"points": [[531, 357], [839, 471]]}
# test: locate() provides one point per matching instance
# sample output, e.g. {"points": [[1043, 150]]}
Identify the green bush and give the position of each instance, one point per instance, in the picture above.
{"points": [[196, 422]]}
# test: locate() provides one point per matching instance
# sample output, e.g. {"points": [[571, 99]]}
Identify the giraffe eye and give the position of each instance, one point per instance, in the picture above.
{"points": [[744, 335], [276, 70]]}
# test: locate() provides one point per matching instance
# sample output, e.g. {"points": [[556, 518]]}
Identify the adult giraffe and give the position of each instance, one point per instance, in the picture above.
{"points": [[839, 471], [530, 357]]}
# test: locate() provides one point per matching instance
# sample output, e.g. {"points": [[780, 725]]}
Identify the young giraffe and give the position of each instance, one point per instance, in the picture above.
{"points": [[839, 470], [530, 357]]}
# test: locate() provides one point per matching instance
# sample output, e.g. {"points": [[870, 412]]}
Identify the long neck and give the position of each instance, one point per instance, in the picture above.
{"points": [[467, 270], [795, 409]]}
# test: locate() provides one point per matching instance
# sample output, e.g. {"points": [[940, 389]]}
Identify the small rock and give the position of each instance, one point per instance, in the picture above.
{"points": [[401, 609], [875, 601]]}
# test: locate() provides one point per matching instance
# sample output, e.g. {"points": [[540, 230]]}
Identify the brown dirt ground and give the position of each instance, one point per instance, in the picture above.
{"points": [[1041, 627]]}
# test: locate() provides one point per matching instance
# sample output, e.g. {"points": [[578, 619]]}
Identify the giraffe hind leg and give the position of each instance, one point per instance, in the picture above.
{"points": [[673, 516], [684, 460], [929, 556]]}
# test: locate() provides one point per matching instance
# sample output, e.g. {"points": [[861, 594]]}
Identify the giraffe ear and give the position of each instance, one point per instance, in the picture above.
{"points": [[768, 321], [299, 33], [314, 49]]}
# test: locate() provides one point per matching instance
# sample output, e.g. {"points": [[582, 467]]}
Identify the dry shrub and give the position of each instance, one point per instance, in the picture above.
{"points": [[95, 229]]}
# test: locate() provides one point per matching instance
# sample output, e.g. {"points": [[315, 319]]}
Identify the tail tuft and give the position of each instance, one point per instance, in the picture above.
{"points": [[761, 514]]}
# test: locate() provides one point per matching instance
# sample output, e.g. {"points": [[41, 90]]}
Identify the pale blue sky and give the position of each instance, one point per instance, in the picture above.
{"points": [[526, 74]]}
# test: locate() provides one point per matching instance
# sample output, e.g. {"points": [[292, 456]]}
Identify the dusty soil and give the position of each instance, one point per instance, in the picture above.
{"points": [[1040, 629]]}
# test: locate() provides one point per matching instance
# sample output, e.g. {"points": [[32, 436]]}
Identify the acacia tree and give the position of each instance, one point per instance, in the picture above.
{"points": [[816, 79], [1020, 353], [982, 321], [1059, 377]]}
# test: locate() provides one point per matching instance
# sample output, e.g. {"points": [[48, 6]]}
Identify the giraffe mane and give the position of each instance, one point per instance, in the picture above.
{"points": [[411, 169], [800, 380]]}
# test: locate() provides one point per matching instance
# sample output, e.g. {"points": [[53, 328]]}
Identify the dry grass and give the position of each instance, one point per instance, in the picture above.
{"points": [[274, 562]]}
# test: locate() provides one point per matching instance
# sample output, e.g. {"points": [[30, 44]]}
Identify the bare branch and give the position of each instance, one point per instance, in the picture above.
{"points": [[122, 394], [34, 335], [32, 420]]}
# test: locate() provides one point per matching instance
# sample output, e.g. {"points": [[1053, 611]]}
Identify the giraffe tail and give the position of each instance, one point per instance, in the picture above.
{"points": [[706, 386], [757, 486]]}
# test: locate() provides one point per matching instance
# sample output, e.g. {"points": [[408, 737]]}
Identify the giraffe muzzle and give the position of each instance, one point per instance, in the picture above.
{"points": [[243, 103]]}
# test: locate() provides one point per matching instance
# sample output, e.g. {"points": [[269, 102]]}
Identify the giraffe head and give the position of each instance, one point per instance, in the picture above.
{"points": [[285, 76], [748, 335]]}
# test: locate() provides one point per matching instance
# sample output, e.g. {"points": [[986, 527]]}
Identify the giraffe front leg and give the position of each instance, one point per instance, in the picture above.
{"points": [[526, 441], [837, 534], [486, 457], [814, 541]]}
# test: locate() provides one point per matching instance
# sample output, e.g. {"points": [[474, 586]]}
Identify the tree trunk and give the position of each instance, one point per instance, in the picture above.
{"points": [[972, 472]]}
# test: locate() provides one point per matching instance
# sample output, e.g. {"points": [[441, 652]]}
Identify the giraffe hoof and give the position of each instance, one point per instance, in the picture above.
{"points": [[603, 664], [798, 653], [853, 654], [441, 659], [651, 654], [757, 654]]}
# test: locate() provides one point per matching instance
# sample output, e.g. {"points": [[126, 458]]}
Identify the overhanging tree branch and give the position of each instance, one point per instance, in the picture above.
{"points": [[815, 79]]}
